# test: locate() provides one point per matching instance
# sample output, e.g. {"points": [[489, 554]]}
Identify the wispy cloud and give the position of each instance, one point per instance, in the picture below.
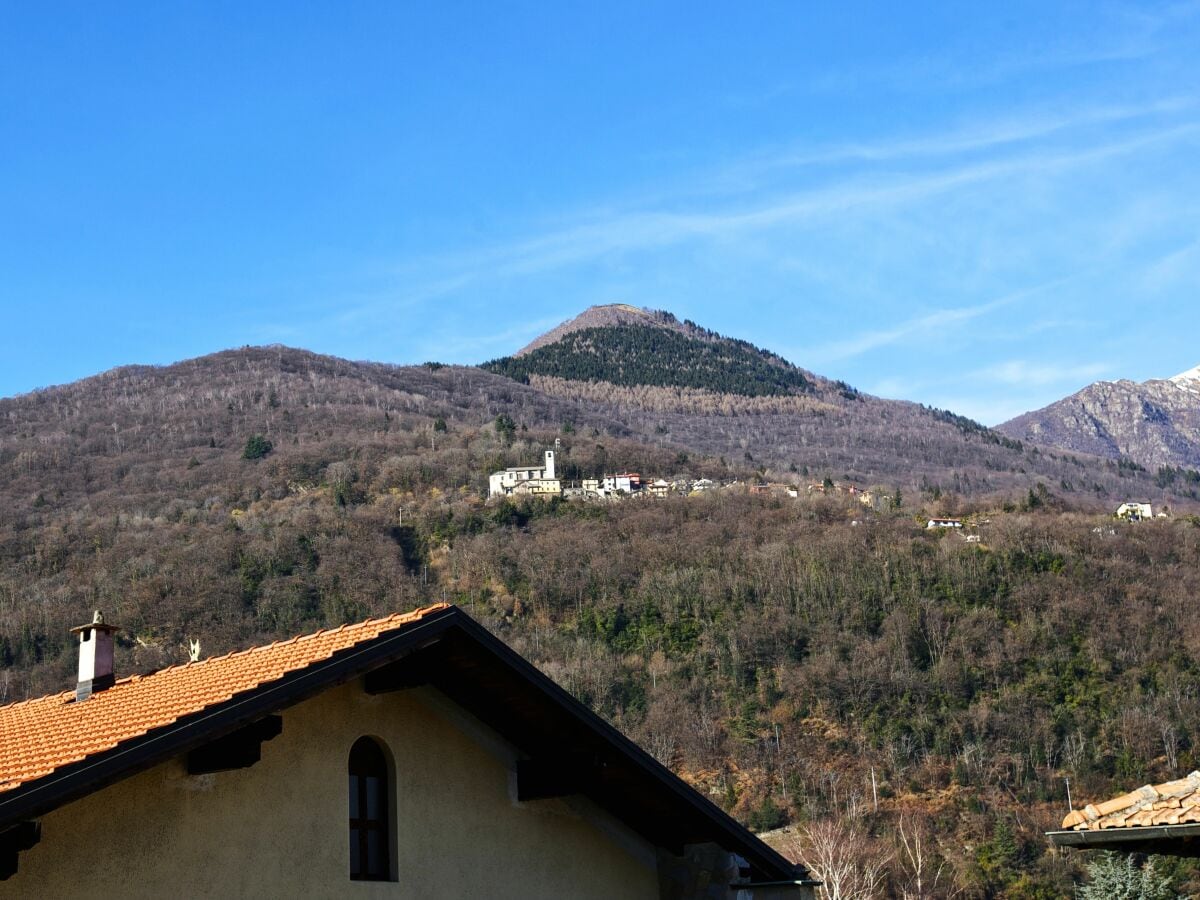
{"points": [[926, 329], [1140, 37], [996, 381], [1025, 373], [458, 344], [1172, 268], [923, 328], [957, 217], [357, 309], [997, 392], [970, 138], [1115, 33], [641, 230]]}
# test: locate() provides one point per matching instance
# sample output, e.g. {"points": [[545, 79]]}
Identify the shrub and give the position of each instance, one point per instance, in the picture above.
{"points": [[257, 446]]}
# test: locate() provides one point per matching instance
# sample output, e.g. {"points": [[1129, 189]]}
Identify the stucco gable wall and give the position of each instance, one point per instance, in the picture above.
{"points": [[279, 828]]}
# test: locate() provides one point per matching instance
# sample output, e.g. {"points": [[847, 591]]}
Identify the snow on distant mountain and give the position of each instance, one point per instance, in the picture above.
{"points": [[1154, 423], [1189, 380]]}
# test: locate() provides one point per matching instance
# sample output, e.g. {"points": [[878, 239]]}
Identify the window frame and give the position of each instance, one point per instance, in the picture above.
{"points": [[369, 811]]}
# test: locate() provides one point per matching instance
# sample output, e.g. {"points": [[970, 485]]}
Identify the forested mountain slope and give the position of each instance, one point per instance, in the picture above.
{"points": [[777, 652], [672, 381], [633, 355]]}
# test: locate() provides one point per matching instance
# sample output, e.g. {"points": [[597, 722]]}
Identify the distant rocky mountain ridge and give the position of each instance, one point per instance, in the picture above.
{"points": [[146, 424], [1153, 423]]}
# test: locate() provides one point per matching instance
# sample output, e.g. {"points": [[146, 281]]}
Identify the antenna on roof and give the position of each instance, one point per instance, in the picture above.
{"points": [[193, 650]]}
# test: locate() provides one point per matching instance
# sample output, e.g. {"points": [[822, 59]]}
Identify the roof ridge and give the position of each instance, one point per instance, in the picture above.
{"points": [[399, 619], [65, 732], [16, 703]]}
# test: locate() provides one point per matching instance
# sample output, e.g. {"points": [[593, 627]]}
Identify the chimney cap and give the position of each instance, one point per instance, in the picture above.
{"points": [[97, 624]]}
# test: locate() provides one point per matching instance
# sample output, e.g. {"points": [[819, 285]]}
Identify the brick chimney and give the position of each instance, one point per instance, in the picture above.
{"points": [[95, 656]]}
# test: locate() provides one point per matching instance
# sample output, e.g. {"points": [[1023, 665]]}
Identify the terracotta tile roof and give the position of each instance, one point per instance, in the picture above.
{"points": [[42, 735], [1171, 803]]}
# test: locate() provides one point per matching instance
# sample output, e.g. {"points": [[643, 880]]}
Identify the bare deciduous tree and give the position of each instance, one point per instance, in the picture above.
{"points": [[849, 865], [922, 868]]}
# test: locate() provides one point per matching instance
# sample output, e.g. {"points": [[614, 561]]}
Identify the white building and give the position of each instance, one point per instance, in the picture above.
{"points": [[1134, 512], [625, 483], [611, 486], [944, 523], [505, 483]]}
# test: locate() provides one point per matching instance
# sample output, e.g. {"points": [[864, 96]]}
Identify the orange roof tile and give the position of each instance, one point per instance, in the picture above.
{"points": [[40, 736], [1170, 803]]}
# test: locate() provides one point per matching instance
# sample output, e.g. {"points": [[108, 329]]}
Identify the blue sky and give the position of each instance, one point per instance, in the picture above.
{"points": [[977, 206]]}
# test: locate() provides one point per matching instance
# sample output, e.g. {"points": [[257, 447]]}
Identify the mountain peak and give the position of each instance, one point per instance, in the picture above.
{"points": [[1189, 379], [605, 316], [630, 347], [1154, 423]]}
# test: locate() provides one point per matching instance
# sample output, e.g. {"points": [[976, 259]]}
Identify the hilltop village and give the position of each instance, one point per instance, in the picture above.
{"points": [[543, 481]]}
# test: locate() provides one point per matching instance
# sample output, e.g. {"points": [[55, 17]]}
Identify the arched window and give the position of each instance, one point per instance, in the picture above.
{"points": [[369, 812]]}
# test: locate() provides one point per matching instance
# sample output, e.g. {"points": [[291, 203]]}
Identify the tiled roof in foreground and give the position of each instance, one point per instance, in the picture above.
{"points": [[38, 737], [1171, 803]]}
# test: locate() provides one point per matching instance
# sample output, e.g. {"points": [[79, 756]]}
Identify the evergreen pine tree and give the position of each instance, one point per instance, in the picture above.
{"points": [[1115, 876]]}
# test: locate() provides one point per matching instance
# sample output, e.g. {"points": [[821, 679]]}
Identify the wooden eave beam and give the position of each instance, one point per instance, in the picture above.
{"points": [[13, 841], [542, 779], [414, 669], [237, 750]]}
